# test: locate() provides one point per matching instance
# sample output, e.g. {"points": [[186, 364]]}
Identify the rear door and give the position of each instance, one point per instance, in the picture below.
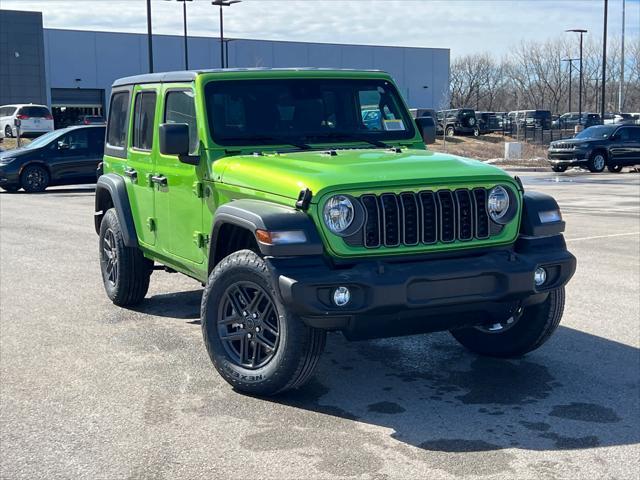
{"points": [[179, 202], [140, 165]]}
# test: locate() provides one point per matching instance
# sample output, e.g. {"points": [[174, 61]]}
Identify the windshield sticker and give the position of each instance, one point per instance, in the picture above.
{"points": [[393, 125]]}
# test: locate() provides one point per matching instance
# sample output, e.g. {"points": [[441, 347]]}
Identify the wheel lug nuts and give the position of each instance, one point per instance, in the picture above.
{"points": [[257, 329], [255, 315], [249, 335]]}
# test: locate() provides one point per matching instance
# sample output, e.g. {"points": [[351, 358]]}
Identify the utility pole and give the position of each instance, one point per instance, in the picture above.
{"points": [[581, 31], [149, 36], [570, 62], [223, 3], [604, 62], [621, 86]]}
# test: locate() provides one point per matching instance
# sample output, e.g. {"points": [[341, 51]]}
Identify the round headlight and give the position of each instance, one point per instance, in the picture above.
{"points": [[338, 213], [498, 204]]}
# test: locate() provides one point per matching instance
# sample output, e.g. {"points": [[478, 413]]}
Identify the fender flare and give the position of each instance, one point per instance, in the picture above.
{"points": [[112, 186], [532, 204], [255, 215]]}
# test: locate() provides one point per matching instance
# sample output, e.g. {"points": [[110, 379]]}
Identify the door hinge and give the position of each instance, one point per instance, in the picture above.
{"points": [[198, 189], [200, 239], [151, 223]]}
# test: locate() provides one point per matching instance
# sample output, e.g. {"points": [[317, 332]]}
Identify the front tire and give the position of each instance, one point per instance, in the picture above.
{"points": [[255, 344], [559, 168], [597, 162], [125, 270], [521, 334], [34, 179], [450, 132]]}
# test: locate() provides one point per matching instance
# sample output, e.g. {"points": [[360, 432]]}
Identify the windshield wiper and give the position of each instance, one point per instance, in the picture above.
{"points": [[268, 138], [350, 137]]}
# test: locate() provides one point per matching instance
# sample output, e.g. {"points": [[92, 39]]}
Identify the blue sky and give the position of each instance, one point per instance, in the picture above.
{"points": [[465, 26]]}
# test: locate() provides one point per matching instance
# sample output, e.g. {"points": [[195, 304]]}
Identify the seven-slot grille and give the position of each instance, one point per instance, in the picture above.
{"points": [[426, 217]]}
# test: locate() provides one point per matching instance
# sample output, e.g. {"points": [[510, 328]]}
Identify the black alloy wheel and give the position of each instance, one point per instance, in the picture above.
{"points": [[248, 325], [34, 178], [110, 256]]}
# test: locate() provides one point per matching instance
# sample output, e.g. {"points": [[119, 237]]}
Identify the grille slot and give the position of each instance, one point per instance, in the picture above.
{"points": [[426, 217]]}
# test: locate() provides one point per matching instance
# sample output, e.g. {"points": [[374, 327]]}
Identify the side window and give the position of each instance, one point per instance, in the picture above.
{"points": [[635, 134], [75, 140], [180, 108], [143, 120], [624, 134], [96, 140], [117, 130]]}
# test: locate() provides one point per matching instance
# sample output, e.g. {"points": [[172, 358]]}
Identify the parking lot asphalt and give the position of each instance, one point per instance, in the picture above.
{"points": [[89, 390]]}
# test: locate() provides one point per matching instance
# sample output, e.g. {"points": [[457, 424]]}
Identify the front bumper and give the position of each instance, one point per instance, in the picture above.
{"points": [[567, 157], [414, 296]]}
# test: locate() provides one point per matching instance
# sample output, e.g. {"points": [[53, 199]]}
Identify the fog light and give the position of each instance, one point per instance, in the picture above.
{"points": [[540, 276], [341, 296]]}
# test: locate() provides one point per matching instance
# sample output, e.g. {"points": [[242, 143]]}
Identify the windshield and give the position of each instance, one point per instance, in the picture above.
{"points": [[276, 111], [598, 131]]}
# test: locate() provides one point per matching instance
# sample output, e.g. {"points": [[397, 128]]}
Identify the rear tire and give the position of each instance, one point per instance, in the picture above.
{"points": [[559, 168], [597, 162], [532, 327], [8, 131], [125, 270], [34, 179], [255, 344], [614, 168], [450, 131]]}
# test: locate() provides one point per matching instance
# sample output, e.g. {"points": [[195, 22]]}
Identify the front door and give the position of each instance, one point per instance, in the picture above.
{"points": [[179, 203], [139, 170], [68, 156]]}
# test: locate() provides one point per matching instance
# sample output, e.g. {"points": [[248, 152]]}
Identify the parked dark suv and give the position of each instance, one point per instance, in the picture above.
{"points": [[458, 121], [611, 146], [62, 157]]}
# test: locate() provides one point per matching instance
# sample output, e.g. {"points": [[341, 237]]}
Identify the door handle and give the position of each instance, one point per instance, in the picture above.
{"points": [[159, 180], [131, 173]]}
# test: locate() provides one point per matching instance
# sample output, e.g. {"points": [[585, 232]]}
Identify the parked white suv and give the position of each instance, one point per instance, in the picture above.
{"points": [[34, 119]]}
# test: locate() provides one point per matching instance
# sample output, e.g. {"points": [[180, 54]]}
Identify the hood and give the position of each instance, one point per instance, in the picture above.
{"points": [[319, 171], [571, 141], [15, 152]]}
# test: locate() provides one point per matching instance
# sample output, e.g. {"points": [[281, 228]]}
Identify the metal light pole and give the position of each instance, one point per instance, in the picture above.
{"points": [[621, 87], [186, 37], [149, 36], [223, 3], [570, 61], [581, 32], [604, 62]]}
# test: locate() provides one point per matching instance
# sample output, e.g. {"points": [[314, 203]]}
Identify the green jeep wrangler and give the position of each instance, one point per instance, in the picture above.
{"points": [[305, 201]]}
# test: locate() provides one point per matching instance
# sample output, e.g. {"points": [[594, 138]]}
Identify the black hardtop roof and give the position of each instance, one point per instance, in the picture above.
{"points": [[190, 75]]}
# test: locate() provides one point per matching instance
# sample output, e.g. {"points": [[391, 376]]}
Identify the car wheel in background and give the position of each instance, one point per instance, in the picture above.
{"points": [[8, 132], [597, 162], [614, 168], [10, 188], [34, 179], [559, 168], [450, 131], [476, 132]]}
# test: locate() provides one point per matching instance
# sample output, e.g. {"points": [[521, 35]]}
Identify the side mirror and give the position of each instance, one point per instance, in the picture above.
{"points": [[427, 128], [174, 140]]}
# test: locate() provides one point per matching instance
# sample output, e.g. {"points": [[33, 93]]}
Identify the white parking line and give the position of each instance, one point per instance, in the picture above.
{"points": [[602, 236]]}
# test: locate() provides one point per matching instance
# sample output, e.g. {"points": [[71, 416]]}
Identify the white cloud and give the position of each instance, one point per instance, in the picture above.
{"points": [[465, 26]]}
